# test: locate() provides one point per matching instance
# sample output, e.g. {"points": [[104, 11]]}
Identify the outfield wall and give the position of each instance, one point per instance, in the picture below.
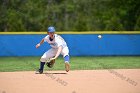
{"points": [[80, 44]]}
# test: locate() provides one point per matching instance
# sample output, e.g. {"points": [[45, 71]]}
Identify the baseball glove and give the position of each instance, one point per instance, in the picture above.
{"points": [[50, 63]]}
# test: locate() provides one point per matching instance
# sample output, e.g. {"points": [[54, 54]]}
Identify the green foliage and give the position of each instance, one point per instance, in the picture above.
{"points": [[69, 15]]}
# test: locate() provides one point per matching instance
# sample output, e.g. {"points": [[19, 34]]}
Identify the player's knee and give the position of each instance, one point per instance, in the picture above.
{"points": [[42, 59], [67, 58]]}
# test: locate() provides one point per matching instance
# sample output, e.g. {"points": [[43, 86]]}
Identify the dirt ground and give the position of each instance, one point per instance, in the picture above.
{"points": [[78, 81]]}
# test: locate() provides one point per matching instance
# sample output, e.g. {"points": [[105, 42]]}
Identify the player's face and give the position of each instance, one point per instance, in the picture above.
{"points": [[51, 34]]}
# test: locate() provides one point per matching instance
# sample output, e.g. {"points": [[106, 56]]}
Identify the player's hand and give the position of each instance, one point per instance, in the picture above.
{"points": [[38, 45], [52, 59]]}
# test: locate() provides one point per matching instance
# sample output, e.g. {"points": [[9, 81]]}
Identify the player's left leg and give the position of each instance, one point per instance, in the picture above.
{"points": [[67, 64], [65, 53]]}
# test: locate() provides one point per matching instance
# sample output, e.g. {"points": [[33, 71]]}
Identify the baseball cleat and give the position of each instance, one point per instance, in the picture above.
{"points": [[67, 66], [39, 71]]}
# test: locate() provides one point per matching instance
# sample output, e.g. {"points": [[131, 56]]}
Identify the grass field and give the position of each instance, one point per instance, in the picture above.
{"points": [[77, 63]]}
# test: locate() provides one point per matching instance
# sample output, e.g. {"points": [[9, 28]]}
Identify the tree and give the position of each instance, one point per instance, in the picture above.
{"points": [[69, 15]]}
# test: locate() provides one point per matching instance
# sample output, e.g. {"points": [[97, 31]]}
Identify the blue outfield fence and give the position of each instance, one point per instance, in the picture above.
{"points": [[79, 44]]}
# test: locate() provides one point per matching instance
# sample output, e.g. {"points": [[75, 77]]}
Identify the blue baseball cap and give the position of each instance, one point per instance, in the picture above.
{"points": [[51, 29]]}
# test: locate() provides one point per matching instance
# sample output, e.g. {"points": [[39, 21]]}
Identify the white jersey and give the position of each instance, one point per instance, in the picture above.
{"points": [[56, 42]]}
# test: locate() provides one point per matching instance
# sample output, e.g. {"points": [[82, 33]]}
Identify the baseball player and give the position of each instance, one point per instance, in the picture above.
{"points": [[58, 46]]}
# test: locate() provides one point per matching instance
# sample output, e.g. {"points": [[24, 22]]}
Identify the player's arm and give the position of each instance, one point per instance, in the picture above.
{"points": [[41, 42], [58, 52]]}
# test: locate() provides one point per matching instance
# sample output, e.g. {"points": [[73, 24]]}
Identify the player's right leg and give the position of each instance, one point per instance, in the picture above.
{"points": [[49, 54]]}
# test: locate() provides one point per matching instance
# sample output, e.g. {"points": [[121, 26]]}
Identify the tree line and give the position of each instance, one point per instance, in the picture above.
{"points": [[70, 15]]}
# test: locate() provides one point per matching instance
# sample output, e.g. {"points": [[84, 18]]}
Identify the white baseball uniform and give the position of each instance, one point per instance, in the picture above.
{"points": [[55, 43]]}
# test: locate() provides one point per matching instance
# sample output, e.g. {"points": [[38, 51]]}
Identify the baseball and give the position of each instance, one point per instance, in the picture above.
{"points": [[99, 36]]}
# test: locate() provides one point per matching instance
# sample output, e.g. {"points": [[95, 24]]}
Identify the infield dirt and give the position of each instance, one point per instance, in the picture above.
{"points": [[76, 81]]}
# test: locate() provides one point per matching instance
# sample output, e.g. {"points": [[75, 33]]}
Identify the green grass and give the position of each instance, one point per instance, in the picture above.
{"points": [[77, 63]]}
